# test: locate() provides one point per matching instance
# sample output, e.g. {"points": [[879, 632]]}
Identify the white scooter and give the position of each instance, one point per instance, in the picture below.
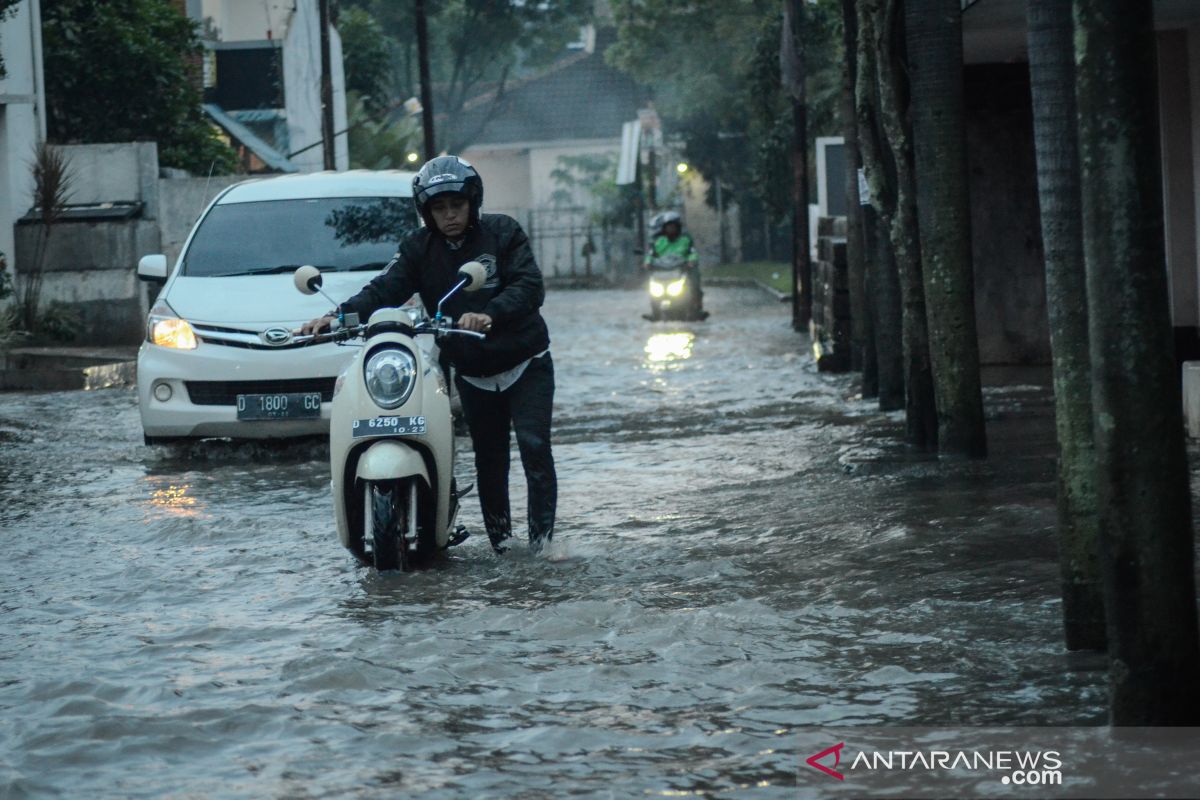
{"points": [[391, 437]]}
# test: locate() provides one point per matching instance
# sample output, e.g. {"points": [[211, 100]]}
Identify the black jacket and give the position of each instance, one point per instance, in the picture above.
{"points": [[425, 264]]}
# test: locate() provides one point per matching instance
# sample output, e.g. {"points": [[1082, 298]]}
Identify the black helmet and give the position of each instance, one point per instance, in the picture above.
{"points": [[446, 174]]}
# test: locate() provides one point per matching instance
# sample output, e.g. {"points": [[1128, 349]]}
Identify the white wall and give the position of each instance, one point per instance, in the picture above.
{"points": [[248, 20], [22, 118], [517, 177], [543, 160], [505, 174], [302, 89], [119, 172], [297, 24]]}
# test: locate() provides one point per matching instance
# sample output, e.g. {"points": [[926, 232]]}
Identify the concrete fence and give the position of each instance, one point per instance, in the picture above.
{"points": [[121, 210]]}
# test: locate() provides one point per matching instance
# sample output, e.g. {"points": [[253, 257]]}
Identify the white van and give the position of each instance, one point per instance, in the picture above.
{"points": [[219, 358]]}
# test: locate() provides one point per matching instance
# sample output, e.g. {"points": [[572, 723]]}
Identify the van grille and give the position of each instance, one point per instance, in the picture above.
{"points": [[224, 393]]}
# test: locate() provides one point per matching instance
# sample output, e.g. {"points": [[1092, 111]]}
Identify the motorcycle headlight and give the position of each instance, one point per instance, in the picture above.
{"points": [[656, 288], [675, 288], [166, 329], [390, 376]]}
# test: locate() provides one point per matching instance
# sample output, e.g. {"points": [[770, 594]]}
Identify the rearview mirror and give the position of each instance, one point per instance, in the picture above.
{"points": [[153, 268], [307, 279], [472, 274]]}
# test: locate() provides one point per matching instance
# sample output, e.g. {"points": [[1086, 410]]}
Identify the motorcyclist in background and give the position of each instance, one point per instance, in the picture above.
{"points": [[671, 244]]}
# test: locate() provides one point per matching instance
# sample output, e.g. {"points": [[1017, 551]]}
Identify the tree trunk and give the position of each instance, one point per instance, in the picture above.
{"points": [[802, 295], [935, 66], [881, 30], [882, 277], [1145, 510], [855, 261], [869, 385], [1052, 76], [889, 315]]}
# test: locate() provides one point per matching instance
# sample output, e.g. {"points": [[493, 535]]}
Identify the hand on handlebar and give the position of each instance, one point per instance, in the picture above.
{"points": [[480, 323], [315, 326]]}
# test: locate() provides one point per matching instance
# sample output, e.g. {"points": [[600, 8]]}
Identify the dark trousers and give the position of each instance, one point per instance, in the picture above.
{"points": [[524, 407]]}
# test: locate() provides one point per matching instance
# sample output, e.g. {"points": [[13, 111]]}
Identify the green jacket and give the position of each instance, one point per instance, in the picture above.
{"points": [[664, 252]]}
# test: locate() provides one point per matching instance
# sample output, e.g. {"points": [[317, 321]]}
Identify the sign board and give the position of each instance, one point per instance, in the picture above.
{"points": [[631, 135], [831, 176]]}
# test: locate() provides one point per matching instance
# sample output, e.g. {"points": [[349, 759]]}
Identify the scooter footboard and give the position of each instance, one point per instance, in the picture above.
{"points": [[385, 460]]}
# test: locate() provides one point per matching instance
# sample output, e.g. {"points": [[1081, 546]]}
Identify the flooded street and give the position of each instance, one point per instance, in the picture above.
{"points": [[747, 550]]}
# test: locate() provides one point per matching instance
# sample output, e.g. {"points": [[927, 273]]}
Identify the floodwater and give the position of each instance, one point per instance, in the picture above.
{"points": [[743, 549]]}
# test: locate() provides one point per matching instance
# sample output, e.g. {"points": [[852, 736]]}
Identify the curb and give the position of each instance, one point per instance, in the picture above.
{"points": [[66, 369], [719, 280]]}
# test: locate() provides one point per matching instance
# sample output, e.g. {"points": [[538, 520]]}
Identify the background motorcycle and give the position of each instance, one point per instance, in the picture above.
{"points": [[391, 438], [672, 290]]}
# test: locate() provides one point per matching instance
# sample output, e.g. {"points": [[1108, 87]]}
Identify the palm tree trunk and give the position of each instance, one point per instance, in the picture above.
{"points": [[882, 278], [887, 29], [935, 66], [1052, 75], [1146, 544]]}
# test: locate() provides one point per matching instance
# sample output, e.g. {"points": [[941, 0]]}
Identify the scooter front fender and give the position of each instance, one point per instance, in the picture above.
{"points": [[386, 460]]}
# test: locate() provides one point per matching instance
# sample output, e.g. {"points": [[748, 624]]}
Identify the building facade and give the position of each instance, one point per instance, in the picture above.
{"points": [[22, 117]]}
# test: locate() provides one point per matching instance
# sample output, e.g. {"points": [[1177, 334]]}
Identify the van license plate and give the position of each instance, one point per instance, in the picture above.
{"points": [[388, 426], [300, 405]]}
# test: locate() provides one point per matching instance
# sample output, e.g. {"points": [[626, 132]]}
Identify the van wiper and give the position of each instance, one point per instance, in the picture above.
{"points": [[281, 268]]}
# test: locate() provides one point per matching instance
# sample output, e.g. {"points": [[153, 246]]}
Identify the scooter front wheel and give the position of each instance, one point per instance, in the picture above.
{"points": [[388, 503]]}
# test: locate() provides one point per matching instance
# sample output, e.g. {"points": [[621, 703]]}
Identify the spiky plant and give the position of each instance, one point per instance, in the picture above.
{"points": [[51, 190]]}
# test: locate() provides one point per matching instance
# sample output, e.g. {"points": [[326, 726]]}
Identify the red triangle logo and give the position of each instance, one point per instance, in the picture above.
{"points": [[836, 750]]}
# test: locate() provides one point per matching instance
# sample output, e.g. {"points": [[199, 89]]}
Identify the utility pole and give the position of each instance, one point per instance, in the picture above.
{"points": [[801, 264], [426, 92], [721, 229], [326, 88]]}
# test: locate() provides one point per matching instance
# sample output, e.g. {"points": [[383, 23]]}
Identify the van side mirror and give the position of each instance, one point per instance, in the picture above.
{"points": [[153, 268]]}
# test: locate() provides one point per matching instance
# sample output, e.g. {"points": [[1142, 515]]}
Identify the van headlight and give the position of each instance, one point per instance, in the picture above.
{"points": [[165, 328], [675, 288], [390, 375]]}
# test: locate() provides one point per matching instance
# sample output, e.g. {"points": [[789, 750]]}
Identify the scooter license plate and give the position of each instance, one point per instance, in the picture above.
{"points": [[388, 426], [301, 405]]}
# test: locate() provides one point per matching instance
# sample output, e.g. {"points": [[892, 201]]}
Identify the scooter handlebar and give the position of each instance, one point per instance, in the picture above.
{"points": [[338, 333], [463, 332]]}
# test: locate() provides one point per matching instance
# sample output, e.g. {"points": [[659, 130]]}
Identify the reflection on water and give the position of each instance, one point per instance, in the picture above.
{"points": [[665, 348], [175, 499]]}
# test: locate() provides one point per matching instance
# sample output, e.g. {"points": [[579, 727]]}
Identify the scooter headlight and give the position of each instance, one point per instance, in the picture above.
{"points": [[390, 376], [675, 288], [165, 329], [656, 288]]}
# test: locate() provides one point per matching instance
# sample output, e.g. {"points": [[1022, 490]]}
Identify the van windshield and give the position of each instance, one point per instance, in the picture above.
{"points": [[340, 234]]}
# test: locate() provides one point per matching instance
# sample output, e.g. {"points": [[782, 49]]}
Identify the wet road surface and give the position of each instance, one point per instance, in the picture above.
{"points": [[745, 550]]}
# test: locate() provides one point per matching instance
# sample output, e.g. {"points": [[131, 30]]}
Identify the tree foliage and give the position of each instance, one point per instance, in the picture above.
{"points": [[366, 55], [476, 47], [714, 68], [375, 143], [124, 72]]}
